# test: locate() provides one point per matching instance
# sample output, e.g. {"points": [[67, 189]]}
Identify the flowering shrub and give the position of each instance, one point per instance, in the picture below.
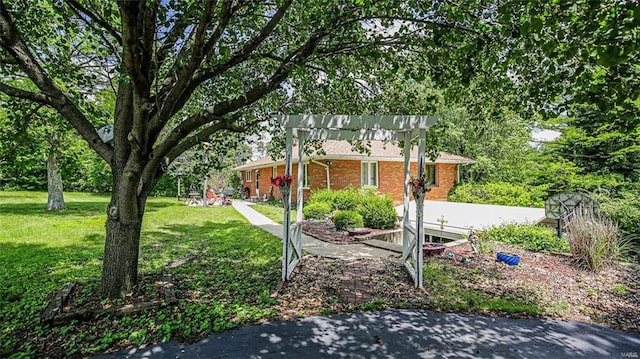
{"points": [[282, 180]]}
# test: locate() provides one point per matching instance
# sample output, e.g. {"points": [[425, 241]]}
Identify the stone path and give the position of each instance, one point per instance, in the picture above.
{"points": [[354, 288]]}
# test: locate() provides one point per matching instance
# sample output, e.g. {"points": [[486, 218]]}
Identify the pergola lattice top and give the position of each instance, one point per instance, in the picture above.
{"points": [[356, 127]]}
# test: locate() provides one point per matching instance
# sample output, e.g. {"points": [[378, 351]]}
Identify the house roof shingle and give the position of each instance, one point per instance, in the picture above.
{"points": [[380, 151]]}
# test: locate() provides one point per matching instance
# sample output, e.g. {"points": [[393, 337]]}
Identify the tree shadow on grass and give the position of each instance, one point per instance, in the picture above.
{"points": [[74, 208], [229, 272], [216, 257], [31, 271]]}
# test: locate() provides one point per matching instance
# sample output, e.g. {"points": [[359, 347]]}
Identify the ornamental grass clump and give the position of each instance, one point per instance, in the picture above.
{"points": [[593, 240]]}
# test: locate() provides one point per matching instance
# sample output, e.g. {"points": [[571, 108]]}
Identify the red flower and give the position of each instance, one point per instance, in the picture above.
{"points": [[282, 180]]}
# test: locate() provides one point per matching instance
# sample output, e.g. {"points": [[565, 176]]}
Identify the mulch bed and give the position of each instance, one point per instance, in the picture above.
{"points": [[326, 231]]}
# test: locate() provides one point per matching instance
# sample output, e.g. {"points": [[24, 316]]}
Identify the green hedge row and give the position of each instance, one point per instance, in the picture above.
{"points": [[375, 210]]}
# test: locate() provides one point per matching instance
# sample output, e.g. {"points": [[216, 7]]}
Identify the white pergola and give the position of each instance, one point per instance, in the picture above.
{"points": [[348, 127]]}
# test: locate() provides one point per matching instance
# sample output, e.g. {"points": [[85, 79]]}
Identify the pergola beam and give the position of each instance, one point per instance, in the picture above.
{"points": [[353, 135], [357, 122]]}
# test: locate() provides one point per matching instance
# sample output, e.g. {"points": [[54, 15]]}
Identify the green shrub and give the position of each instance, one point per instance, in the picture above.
{"points": [[317, 210], [528, 236], [625, 210], [499, 193], [347, 219], [323, 195], [347, 199], [378, 212], [369, 190], [343, 200], [594, 240]]}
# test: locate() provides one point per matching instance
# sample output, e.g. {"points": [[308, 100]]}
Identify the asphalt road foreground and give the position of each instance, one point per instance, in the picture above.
{"points": [[404, 334]]}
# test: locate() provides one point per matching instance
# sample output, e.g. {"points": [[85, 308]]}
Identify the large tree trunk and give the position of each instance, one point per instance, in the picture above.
{"points": [[120, 267], [126, 209], [124, 223], [55, 199]]}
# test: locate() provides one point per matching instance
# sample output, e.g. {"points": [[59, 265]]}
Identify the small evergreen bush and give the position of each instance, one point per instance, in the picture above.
{"points": [[538, 237], [317, 210], [378, 212], [347, 219]]}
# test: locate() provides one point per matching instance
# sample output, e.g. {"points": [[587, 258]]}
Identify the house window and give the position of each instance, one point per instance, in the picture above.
{"points": [[274, 171], [430, 174], [248, 176], [369, 171], [305, 169]]}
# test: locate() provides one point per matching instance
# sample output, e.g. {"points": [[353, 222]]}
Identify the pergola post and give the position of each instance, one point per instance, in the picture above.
{"points": [[286, 225], [300, 188], [422, 139], [405, 203]]}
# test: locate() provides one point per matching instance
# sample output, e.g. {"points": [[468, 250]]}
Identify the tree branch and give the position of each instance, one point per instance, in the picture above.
{"points": [[97, 19], [27, 95], [175, 93], [132, 61], [11, 42], [249, 47], [222, 109], [197, 78], [148, 39]]}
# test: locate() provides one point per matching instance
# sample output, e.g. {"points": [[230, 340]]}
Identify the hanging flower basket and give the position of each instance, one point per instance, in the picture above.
{"points": [[419, 187], [283, 182]]}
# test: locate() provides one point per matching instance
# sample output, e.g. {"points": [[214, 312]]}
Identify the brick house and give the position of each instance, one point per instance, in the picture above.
{"points": [[341, 166]]}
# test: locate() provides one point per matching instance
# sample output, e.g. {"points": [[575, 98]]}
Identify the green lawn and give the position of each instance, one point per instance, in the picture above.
{"points": [[274, 213], [224, 266], [225, 271]]}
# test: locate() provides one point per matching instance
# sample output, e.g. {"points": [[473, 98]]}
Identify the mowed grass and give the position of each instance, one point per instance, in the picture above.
{"points": [[225, 270], [275, 213]]}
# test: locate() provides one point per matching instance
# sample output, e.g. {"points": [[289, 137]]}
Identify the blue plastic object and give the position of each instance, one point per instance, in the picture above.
{"points": [[510, 259]]}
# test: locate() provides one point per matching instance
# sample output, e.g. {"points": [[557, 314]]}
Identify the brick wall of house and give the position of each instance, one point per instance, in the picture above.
{"points": [[391, 180], [317, 180], [347, 172], [344, 173]]}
